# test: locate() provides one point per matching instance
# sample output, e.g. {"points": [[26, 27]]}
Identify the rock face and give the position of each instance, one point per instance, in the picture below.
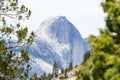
{"points": [[56, 40]]}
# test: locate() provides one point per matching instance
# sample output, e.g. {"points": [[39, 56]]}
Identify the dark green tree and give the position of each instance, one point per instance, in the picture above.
{"points": [[34, 77], [112, 8], [70, 66], [62, 71], [55, 70], [65, 73], [14, 65], [86, 57], [49, 76], [44, 77]]}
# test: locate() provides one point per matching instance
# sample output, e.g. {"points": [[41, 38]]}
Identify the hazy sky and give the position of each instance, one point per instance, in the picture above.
{"points": [[86, 15]]}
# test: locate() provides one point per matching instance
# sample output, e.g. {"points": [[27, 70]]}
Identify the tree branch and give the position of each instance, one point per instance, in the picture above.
{"points": [[8, 15]]}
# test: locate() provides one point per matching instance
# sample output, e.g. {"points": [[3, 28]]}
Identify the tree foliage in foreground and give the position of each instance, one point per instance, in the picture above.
{"points": [[14, 65], [104, 63]]}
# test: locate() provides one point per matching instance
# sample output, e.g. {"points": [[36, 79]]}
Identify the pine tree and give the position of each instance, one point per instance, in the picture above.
{"points": [[86, 57], [34, 77], [62, 70], [44, 77], [112, 8], [55, 70], [70, 67], [65, 74], [14, 65], [49, 76]]}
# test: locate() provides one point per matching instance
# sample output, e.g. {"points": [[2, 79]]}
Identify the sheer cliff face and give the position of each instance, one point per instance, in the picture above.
{"points": [[58, 40]]}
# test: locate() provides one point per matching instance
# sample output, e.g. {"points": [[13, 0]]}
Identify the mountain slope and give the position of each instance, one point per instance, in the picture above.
{"points": [[56, 40]]}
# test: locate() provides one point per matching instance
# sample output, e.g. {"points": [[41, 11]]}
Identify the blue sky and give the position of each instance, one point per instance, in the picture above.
{"points": [[86, 15]]}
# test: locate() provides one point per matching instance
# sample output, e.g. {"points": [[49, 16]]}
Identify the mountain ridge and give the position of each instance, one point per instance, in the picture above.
{"points": [[57, 40]]}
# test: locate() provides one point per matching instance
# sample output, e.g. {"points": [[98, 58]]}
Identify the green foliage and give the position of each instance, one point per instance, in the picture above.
{"points": [[61, 78], [86, 57], [2, 47], [14, 65], [49, 76], [104, 63], [65, 74], [34, 77], [69, 68], [45, 77], [112, 8], [84, 71], [22, 34], [62, 71], [6, 30], [105, 56]]}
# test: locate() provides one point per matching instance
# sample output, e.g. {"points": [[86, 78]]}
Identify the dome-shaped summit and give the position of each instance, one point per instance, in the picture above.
{"points": [[57, 31], [57, 40]]}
